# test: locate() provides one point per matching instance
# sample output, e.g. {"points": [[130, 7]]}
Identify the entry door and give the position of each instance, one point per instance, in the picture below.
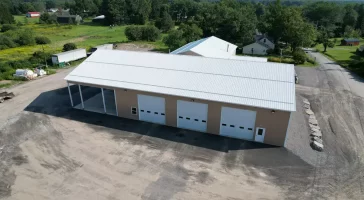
{"points": [[237, 123], [259, 134], [151, 109], [192, 115]]}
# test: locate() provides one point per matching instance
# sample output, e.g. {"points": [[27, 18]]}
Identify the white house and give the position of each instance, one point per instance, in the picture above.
{"points": [[213, 47], [260, 46], [256, 48]]}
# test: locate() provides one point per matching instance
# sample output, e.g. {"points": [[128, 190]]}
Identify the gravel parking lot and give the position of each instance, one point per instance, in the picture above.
{"points": [[50, 151]]}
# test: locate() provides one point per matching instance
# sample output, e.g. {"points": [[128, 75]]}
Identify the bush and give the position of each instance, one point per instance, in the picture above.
{"points": [[148, 33], [42, 40], [46, 18], [175, 39], [69, 47], [278, 60], [6, 42], [133, 33], [41, 57], [299, 56], [8, 27]]}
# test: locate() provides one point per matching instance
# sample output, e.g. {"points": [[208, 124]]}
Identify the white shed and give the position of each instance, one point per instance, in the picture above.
{"points": [[255, 49], [68, 56]]}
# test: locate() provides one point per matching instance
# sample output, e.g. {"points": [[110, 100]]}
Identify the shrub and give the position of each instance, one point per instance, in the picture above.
{"points": [[191, 32], [69, 47], [174, 39], [150, 33], [22, 37], [46, 18], [133, 33], [278, 60], [6, 42], [299, 56], [8, 27], [41, 57], [42, 40]]}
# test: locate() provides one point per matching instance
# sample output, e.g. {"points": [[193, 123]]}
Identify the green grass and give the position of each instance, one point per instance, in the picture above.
{"points": [[308, 64], [24, 20], [84, 36], [341, 54]]}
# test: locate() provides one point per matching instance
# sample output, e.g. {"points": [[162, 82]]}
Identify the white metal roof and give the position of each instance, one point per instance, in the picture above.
{"points": [[214, 47], [257, 84], [67, 52]]}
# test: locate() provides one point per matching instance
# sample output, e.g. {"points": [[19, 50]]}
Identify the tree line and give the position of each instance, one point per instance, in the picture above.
{"points": [[232, 20]]}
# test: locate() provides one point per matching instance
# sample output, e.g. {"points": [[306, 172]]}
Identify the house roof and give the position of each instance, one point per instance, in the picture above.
{"points": [[213, 47], [34, 12], [257, 84], [351, 40]]}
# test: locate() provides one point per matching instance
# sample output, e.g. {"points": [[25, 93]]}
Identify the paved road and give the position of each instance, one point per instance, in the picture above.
{"points": [[338, 77]]}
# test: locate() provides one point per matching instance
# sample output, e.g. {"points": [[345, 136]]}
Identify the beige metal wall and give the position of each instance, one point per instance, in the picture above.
{"points": [[275, 123]]}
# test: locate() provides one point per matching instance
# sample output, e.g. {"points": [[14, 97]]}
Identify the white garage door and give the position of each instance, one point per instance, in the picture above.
{"points": [[237, 123], [151, 109], [192, 115]]}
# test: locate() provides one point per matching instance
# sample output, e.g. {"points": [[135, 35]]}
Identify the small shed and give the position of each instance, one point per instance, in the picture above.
{"points": [[68, 56], [350, 42], [33, 14]]}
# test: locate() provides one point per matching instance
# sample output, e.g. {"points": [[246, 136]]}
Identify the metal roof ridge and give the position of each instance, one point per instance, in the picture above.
{"points": [[196, 72]]}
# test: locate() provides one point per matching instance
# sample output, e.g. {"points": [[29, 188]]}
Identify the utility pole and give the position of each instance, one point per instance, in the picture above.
{"points": [[45, 60], [281, 54]]}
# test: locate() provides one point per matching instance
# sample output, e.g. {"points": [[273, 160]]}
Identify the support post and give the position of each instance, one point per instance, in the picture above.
{"points": [[103, 99], [79, 88], [69, 91], [116, 104]]}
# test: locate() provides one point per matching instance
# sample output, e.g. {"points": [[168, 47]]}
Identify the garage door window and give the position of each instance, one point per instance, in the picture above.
{"points": [[133, 111]]}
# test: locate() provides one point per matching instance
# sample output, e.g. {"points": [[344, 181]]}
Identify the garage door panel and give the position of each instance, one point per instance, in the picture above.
{"points": [[151, 109], [191, 115], [237, 123]]}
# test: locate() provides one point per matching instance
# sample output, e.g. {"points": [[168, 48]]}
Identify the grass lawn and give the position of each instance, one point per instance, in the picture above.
{"points": [[341, 54], [84, 36], [25, 20]]}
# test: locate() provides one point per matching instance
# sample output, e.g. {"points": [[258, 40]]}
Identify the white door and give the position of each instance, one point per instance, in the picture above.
{"points": [[237, 123], [192, 115], [259, 134], [151, 109]]}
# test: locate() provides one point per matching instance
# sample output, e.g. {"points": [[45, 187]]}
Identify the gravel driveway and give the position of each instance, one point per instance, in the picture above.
{"points": [[50, 151]]}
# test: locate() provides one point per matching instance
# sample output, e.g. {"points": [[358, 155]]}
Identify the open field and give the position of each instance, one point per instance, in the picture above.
{"points": [[24, 20], [84, 36], [341, 54]]}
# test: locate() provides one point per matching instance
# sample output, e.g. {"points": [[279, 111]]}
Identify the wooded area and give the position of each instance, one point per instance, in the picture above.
{"points": [[234, 21]]}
